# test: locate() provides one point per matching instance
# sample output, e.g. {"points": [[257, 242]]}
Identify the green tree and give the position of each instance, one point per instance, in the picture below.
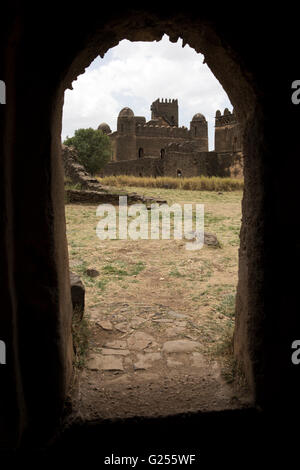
{"points": [[93, 148]]}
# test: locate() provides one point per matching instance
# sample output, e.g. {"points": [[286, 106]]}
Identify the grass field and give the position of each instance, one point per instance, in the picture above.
{"points": [[161, 273], [197, 183]]}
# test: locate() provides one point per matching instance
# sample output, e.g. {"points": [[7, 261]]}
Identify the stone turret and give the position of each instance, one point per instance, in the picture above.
{"points": [[167, 109], [227, 132], [199, 132], [126, 121], [125, 141], [104, 128]]}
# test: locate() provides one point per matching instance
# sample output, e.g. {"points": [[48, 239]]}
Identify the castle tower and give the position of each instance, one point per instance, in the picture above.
{"points": [[227, 132], [199, 132], [126, 140], [166, 109]]}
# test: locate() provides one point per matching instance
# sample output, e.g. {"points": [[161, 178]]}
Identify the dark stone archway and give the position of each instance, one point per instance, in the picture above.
{"points": [[44, 52]]}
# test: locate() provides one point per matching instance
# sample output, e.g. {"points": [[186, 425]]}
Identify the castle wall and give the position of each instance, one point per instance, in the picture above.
{"points": [[165, 108], [188, 163], [141, 167], [228, 136], [125, 146], [152, 146]]}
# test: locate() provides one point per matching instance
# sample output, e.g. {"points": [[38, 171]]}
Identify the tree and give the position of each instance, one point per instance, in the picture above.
{"points": [[93, 148]]}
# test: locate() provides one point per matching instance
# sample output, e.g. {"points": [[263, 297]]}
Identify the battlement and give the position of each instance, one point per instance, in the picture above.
{"points": [[149, 130], [225, 119], [166, 100], [165, 108]]}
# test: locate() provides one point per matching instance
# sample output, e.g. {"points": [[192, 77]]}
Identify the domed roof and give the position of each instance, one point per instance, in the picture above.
{"points": [[218, 113], [198, 117], [226, 112], [126, 112], [104, 128]]}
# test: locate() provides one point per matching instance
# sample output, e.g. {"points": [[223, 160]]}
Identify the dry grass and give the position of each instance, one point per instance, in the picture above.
{"points": [[197, 183], [162, 274]]}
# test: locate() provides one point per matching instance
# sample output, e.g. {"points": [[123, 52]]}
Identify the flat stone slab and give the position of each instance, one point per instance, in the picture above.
{"points": [[180, 346], [105, 325], [115, 352], [116, 344], [105, 363], [198, 360], [139, 341], [173, 314], [122, 327], [145, 361], [174, 331], [172, 363]]}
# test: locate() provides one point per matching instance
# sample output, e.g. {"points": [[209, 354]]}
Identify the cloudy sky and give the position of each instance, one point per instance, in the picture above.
{"points": [[135, 74]]}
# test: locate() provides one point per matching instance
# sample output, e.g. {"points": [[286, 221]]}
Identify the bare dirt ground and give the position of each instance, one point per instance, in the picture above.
{"points": [[159, 318]]}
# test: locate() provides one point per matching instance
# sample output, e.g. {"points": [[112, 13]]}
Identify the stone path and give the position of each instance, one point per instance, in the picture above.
{"points": [[127, 342], [147, 360]]}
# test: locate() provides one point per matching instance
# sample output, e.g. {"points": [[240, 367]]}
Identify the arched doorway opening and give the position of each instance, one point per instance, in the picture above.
{"points": [[48, 213], [174, 272]]}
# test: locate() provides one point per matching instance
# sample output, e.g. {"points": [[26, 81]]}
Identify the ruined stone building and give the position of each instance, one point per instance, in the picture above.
{"points": [[160, 147]]}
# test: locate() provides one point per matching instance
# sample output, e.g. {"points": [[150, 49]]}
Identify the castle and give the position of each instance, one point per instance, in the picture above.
{"points": [[160, 147]]}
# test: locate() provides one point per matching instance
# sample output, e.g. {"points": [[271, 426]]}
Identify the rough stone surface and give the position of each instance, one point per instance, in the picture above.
{"points": [[145, 361], [116, 344], [180, 346], [115, 352], [139, 340], [105, 325], [106, 363]]}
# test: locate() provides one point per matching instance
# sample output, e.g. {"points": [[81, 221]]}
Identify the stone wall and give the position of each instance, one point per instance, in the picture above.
{"points": [[189, 164], [142, 167], [76, 172]]}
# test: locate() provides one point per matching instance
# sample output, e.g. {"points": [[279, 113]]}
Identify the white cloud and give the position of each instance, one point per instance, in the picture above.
{"points": [[134, 74]]}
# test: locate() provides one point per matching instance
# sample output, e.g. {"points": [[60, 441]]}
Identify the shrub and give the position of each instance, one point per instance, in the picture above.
{"points": [[93, 148]]}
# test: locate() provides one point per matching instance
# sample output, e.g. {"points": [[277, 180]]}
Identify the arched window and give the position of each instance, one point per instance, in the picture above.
{"points": [[179, 174], [162, 153], [141, 152]]}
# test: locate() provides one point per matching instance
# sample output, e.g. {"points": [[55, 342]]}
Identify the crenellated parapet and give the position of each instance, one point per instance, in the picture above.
{"points": [[225, 119], [150, 130], [166, 109]]}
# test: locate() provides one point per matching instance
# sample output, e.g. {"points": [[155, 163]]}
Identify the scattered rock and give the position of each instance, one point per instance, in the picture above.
{"points": [[211, 240], [92, 272], [180, 346], [173, 314], [105, 325]]}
